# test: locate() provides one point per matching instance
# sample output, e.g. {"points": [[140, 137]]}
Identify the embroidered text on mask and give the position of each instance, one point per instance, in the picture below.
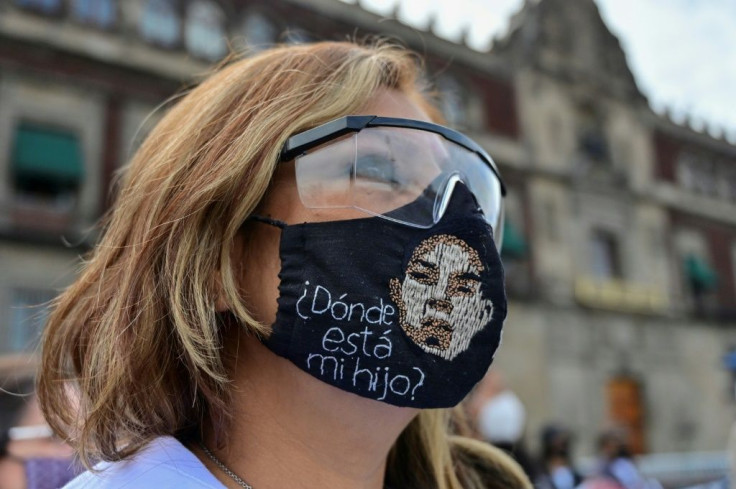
{"points": [[341, 351]]}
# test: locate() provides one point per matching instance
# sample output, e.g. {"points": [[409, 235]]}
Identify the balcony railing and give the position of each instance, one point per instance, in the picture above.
{"points": [[620, 295]]}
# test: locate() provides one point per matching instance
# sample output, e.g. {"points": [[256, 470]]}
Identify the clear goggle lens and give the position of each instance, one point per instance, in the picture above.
{"points": [[381, 170]]}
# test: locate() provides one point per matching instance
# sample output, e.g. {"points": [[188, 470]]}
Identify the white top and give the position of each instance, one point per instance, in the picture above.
{"points": [[162, 464]]}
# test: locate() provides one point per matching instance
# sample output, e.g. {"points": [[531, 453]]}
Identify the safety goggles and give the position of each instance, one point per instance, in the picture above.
{"points": [[402, 170]]}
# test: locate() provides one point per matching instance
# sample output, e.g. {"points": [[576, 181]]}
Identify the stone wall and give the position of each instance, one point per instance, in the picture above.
{"points": [[559, 361]]}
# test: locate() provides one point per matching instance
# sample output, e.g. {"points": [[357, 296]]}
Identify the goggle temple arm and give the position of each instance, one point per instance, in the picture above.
{"points": [[304, 141]]}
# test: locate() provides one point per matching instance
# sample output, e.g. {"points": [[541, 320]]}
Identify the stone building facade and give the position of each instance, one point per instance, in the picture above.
{"points": [[620, 244]]}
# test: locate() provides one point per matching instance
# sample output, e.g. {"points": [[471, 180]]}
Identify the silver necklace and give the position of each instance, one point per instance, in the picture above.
{"points": [[224, 467], [229, 472]]}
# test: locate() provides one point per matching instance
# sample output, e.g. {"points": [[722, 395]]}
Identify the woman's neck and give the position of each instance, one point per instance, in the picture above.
{"points": [[289, 429]]}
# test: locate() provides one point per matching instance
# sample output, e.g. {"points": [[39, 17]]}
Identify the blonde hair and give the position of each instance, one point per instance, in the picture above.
{"points": [[137, 333]]}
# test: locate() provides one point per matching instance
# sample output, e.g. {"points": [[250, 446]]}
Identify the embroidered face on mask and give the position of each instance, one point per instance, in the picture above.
{"points": [[439, 300]]}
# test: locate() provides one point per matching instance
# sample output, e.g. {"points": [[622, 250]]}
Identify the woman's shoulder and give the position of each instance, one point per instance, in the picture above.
{"points": [[164, 463]]}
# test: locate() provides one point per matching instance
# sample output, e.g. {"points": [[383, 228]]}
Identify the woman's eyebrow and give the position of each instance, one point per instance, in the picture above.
{"points": [[427, 264]]}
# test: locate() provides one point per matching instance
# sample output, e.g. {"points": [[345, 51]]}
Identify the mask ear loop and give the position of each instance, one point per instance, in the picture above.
{"points": [[268, 220]]}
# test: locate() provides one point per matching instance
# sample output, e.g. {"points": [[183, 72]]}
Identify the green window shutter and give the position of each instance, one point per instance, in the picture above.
{"points": [[699, 272], [52, 154], [514, 244]]}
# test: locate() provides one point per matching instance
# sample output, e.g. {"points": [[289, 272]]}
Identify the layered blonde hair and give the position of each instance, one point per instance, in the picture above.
{"points": [[137, 334]]}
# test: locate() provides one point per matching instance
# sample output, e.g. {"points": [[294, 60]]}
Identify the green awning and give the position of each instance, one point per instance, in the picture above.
{"points": [[41, 152], [514, 244], [699, 272]]}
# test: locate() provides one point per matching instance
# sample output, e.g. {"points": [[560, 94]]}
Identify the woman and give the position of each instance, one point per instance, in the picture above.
{"points": [[252, 321]]}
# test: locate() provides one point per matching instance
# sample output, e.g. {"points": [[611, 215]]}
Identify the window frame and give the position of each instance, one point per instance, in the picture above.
{"points": [[176, 43], [187, 19], [93, 21]]}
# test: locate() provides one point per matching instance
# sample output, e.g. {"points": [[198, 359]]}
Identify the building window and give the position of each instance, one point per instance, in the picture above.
{"points": [[686, 164], [46, 165], [727, 180], [702, 281], [697, 173], [699, 280], [29, 311], [160, 22], [101, 13], [700, 275], [592, 143], [605, 259], [43, 6], [514, 245], [205, 30], [591, 136], [705, 179], [258, 31]]}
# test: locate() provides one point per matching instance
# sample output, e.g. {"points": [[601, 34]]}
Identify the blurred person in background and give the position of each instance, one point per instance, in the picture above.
{"points": [[30, 456], [500, 419], [617, 464], [557, 470], [277, 299]]}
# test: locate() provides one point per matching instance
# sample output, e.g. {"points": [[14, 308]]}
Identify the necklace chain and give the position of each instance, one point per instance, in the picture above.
{"points": [[229, 472], [224, 467]]}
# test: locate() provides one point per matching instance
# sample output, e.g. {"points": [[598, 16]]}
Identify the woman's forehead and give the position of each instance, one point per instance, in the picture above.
{"points": [[282, 197], [395, 103]]}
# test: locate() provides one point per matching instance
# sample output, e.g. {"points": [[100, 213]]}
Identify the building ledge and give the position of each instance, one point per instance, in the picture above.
{"points": [[106, 47], [620, 295], [700, 205]]}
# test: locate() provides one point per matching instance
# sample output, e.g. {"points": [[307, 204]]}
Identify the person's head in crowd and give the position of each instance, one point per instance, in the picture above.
{"points": [[556, 442], [557, 470], [499, 418], [614, 443], [502, 419]]}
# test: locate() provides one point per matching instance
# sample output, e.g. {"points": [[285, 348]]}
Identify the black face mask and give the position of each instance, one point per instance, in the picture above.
{"points": [[407, 316]]}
